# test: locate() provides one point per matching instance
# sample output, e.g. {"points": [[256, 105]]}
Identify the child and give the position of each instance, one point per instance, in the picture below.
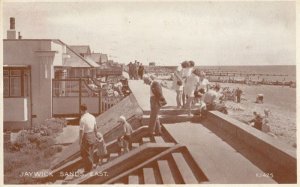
{"points": [[123, 145], [127, 133], [101, 148], [200, 103]]}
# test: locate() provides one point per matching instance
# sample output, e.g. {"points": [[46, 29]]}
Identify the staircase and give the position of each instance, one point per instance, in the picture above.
{"points": [[152, 160]]}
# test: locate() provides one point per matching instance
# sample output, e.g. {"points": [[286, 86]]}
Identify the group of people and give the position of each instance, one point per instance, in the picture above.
{"points": [[136, 70], [232, 94], [193, 88], [261, 122], [91, 139]]}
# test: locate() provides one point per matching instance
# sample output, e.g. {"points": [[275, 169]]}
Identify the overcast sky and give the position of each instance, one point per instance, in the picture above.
{"points": [[210, 33]]}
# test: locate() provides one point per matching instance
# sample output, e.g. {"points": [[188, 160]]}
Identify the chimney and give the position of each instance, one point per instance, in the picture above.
{"points": [[11, 34], [19, 36], [12, 23]]}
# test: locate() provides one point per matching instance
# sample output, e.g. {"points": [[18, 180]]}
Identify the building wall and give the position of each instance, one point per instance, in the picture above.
{"points": [[24, 52], [15, 109], [60, 55]]}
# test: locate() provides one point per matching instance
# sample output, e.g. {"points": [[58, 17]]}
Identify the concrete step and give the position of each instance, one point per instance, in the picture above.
{"points": [[113, 156], [159, 139], [133, 179], [104, 160], [184, 169], [167, 119], [146, 140], [173, 110], [149, 177], [69, 177], [135, 145], [165, 172], [58, 182]]}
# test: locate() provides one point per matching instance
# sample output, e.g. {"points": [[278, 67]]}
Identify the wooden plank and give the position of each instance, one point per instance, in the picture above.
{"points": [[133, 179], [159, 139], [184, 169], [165, 172], [149, 177]]}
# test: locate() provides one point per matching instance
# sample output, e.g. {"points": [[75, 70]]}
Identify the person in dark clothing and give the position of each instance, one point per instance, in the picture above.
{"points": [[135, 70], [238, 94], [258, 120], [157, 100], [130, 70], [141, 71]]}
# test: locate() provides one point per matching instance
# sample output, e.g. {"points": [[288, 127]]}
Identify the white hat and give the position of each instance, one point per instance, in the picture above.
{"points": [[122, 118]]}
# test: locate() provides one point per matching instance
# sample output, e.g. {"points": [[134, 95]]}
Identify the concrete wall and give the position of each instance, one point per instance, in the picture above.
{"points": [[279, 153], [15, 109], [70, 105], [61, 51], [92, 104], [65, 105], [37, 54]]}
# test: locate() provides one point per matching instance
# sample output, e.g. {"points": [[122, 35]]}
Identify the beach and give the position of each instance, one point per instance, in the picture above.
{"points": [[280, 100]]}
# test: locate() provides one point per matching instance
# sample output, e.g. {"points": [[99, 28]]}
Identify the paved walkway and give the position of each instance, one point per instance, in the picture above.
{"points": [[141, 92], [218, 160]]}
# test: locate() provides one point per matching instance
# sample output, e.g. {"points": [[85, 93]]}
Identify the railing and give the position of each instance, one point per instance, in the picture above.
{"points": [[69, 94]]}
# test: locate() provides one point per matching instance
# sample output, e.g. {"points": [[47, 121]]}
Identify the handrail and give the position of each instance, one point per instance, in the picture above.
{"points": [[59, 166], [135, 153], [160, 155]]}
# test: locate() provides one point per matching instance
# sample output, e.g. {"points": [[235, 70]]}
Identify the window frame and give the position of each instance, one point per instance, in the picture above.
{"points": [[10, 73]]}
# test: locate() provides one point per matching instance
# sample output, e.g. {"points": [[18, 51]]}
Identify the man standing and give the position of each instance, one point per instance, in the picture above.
{"points": [[141, 71], [238, 95], [87, 138], [130, 70], [157, 100]]}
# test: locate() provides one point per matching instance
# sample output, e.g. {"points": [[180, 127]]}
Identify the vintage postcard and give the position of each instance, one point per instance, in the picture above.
{"points": [[149, 92]]}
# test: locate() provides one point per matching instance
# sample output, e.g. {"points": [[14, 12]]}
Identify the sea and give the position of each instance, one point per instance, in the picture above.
{"points": [[270, 72]]}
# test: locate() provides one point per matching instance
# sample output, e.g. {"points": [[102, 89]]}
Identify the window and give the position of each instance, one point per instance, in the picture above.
{"points": [[15, 82], [15, 86], [6, 86], [65, 88]]}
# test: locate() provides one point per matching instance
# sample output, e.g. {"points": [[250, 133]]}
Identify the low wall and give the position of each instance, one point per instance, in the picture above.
{"points": [[16, 109], [279, 153]]}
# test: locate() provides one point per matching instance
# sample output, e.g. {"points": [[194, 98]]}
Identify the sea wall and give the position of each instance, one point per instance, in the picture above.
{"points": [[277, 152]]}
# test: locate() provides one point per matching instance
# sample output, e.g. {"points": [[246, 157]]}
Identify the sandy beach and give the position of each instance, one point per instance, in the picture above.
{"points": [[281, 101]]}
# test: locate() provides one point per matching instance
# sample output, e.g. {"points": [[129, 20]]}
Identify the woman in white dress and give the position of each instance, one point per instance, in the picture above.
{"points": [[178, 85], [189, 89], [187, 69]]}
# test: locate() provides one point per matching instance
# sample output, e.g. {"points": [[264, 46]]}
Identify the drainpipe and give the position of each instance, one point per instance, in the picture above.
{"points": [[30, 79]]}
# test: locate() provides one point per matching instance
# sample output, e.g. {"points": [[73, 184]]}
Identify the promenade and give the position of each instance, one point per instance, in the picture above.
{"points": [[218, 160]]}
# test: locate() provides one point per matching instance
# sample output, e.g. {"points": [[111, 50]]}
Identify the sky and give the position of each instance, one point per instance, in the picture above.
{"points": [[209, 33]]}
